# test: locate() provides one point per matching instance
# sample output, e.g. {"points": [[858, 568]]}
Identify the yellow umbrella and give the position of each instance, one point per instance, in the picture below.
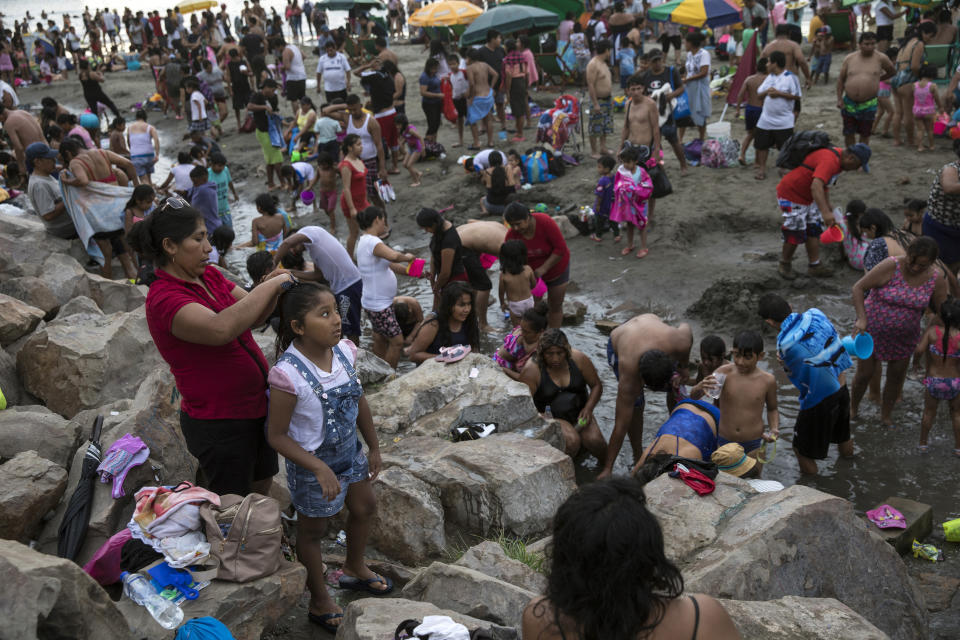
{"points": [[445, 14], [196, 5]]}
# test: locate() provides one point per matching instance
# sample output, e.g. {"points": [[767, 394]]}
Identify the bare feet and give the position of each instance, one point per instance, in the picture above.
{"points": [[760, 175]]}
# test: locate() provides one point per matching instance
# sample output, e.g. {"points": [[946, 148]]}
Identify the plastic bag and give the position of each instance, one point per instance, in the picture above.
{"points": [[186, 550]]}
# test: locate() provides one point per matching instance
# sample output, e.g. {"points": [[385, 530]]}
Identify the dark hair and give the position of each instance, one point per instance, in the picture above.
{"points": [[294, 304], [430, 219], [914, 204], [513, 256], [656, 368], [430, 66], [402, 122], [198, 172], [324, 158], [773, 307], [293, 260], [868, 35], [353, 99], [183, 157], [876, 218], [348, 142], [140, 192], [218, 158], [516, 212], [928, 28], [536, 316], [404, 318], [498, 175], [748, 342], [713, 346], [762, 65], [510, 45], [196, 151], [778, 58], [146, 237], [380, 41], [607, 161], [437, 48], [782, 29], [928, 71], [70, 145], [629, 154], [553, 338], [265, 202], [491, 34], [695, 38], [388, 67], [140, 114], [287, 171], [950, 314], [269, 83], [923, 247], [222, 237], [636, 80], [53, 132], [602, 45], [855, 209], [449, 297], [956, 147], [608, 570], [117, 122], [366, 217]]}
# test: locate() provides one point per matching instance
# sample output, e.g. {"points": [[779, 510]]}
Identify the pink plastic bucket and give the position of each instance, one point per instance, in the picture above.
{"points": [[540, 290], [416, 267]]}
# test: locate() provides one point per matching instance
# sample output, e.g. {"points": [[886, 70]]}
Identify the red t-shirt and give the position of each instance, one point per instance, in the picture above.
{"points": [[795, 186], [546, 241], [216, 382]]}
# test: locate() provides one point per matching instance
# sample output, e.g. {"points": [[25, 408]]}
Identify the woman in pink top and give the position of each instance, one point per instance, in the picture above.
{"points": [[201, 325], [532, 75]]}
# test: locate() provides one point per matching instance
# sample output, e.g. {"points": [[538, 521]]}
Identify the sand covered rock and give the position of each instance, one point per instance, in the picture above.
{"points": [[32, 486], [489, 557], [409, 523], [36, 428], [32, 291], [369, 618], [17, 319], [794, 618]]}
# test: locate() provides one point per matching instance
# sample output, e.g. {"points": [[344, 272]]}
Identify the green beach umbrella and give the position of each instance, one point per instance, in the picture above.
{"points": [[507, 18], [559, 7]]}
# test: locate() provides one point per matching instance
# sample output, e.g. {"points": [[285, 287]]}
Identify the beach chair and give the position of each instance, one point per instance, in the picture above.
{"points": [[369, 48], [939, 55], [353, 50], [842, 26], [553, 68]]}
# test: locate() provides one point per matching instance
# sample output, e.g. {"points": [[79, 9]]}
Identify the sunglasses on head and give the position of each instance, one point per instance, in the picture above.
{"points": [[173, 202]]}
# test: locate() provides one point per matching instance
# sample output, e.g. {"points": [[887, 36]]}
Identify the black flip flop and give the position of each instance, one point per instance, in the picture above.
{"points": [[323, 621], [357, 584]]}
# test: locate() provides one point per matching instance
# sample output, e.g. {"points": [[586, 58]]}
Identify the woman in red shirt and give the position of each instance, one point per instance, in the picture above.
{"points": [[201, 324], [353, 173], [547, 253]]}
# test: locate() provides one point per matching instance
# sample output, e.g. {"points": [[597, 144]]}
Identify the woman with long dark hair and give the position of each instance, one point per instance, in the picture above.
{"points": [[454, 324], [610, 578]]}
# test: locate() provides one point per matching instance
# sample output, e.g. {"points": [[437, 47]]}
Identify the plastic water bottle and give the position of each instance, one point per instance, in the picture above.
{"points": [[138, 588], [547, 413]]}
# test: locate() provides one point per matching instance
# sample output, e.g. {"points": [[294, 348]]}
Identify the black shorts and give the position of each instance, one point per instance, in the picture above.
{"points": [[476, 275], [667, 40], [461, 106], [296, 89], [232, 453], [763, 139], [115, 238], [885, 32], [333, 95], [668, 130], [349, 307], [818, 426]]}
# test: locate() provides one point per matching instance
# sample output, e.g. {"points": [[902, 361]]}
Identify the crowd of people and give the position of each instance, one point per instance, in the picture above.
{"points": [[339, 148]]}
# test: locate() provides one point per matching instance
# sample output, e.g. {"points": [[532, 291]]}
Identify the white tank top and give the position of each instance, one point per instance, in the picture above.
{"points": [[297, 70], [141, 144], [369, 149]]}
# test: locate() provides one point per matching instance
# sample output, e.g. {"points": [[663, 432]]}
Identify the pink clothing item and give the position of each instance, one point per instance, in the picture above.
{"points": [[327, 200], [923, 102], [894, 312], [413, 141], [513, 344], [123, 455], [630, 195], [886, 517], [104, 566], [854, 248], [80, 131], [532, 75], [157, 507]]}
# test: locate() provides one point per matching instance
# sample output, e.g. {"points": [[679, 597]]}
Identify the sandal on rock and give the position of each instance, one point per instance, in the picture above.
{"points": [[472, 431], [358, 584], [324, 621], [453, 354]]}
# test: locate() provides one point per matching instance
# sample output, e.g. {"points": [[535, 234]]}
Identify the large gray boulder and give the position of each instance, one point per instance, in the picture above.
{"points": [[34, 427], [435, 396], [84, 361], [489, 557], [372, 369], [742, 545], [45, 597], [374, 618], [33, 291], [408, 526], [24, 245], [246, 609], [795, 618], [470, 592], [17, 319], [10, 383], [32, 486], [503, 482], [65, 277], [112, 295]]}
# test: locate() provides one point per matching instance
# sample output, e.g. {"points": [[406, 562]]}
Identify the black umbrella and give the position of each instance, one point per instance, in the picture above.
{"points": [[73, 527]]}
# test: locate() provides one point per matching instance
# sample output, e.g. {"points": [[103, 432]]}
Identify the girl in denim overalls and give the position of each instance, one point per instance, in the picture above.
{"points": [[316, 408]]}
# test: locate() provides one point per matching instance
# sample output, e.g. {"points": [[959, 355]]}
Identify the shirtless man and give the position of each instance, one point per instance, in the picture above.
{"points": [[642, 124], [858, 86], [796, 61], [748, 93], [599, 85], [483, 238], [743, 395], [23, 130], [643, 352], [480, 99]]}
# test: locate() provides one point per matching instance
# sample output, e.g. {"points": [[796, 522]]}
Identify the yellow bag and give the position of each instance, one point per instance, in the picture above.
{"points": [[951, 530]]}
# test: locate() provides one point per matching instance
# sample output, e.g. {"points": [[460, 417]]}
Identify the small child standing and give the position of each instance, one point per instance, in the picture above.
{"points": [[515, 167], [913, 210], [754, 106], [326, 130], [517, 280], [317, 406], [941, 345], [219, 174], [198, 107], [220, 242], [327, 186], [884, 101], [139, 205], [821, 55], [632, 188], [713, 355], [459, 86], [926, 103], [603, 201], [744, 393], [414, 147]]}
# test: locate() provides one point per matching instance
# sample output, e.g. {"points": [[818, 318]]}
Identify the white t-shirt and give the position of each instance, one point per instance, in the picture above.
{"points": [[882, 20], [198, 106], [459, 84], [330, 258], [379, 281], [777, 113], [307, 422], [481, 161], [181, 176], [334, 71], [305, 170]]}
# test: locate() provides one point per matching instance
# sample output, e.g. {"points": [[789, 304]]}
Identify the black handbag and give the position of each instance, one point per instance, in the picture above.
{"points": [[661, 183]]}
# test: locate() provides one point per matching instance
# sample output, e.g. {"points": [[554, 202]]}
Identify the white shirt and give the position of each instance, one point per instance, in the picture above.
{"points": [[379, 281], [481, 161], [307, 421], [330, 258], [882, 20], [334, 71], [304, 170], [459, 84], [777, 113], [297, 70], [697, 60], [181, 176], [198, 106], [6, 88]]}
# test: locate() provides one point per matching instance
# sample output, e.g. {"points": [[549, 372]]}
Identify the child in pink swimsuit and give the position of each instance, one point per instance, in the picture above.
{"points": [[941, 346], [926, 103], [414, 147]]}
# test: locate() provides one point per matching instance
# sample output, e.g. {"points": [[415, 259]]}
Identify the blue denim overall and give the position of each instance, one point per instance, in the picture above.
{"points": [[340, 450]]}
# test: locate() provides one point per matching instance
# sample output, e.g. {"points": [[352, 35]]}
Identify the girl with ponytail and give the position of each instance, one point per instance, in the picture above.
{"points": [[941, 345]]}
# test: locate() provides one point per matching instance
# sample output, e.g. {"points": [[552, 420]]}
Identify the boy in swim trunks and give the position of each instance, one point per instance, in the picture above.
{"points": [[754, 106], [745, 392]]}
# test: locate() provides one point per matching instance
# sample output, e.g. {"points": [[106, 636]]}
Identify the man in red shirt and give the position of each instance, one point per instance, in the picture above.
{"points": [[803, 196]]}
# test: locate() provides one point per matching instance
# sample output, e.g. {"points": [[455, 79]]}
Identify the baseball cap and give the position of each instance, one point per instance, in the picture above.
{"points": [[40, 150], [862, 152], [731, 459], [654, 53]]}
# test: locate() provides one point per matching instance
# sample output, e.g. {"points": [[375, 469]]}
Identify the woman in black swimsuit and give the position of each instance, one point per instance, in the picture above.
{"points": [[610, 578], [565, 380], [455, 323]]}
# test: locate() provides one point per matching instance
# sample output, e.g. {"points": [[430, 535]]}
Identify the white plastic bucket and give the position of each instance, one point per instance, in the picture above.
{"points": [[718, 130]]}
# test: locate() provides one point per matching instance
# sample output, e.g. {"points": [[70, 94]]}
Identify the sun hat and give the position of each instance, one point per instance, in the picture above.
{"points": [[862, 152], [731, 459]]}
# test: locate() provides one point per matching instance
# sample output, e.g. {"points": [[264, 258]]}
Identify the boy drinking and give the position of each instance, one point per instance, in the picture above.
{"points": [[745, 392]]}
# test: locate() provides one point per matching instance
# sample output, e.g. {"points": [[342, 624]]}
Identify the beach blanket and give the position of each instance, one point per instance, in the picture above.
{"points": [[479, 108], [275, 130], [95, 208]]}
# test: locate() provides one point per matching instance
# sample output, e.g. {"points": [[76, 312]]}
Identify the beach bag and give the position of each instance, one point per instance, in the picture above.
{"points": [[536, 167], [711, 154], [449, 109], [682, 109], [244, 535], [801, 144], [248, 125], [661, 184], [693, 150]]}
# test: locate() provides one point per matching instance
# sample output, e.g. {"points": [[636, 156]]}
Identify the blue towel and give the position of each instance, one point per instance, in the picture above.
{"points": [[480, 107], [275, 130]]}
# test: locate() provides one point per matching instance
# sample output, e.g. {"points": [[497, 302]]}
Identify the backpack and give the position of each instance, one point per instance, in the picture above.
{"points": [[244, 535], [536, 167], [801, 144]]}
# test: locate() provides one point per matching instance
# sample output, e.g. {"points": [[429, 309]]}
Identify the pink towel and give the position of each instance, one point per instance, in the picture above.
{"points": [[886, 517]]}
